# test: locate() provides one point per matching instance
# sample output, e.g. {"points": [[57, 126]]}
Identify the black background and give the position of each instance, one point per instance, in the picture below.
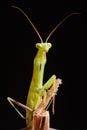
{"points": [[66, 59]]}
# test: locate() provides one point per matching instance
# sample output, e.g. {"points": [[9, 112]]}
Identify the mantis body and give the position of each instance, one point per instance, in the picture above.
{"points": [[37, 90]]}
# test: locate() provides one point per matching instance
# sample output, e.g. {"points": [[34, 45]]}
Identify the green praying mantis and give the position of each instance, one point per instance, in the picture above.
{"points": [[37, 90]]}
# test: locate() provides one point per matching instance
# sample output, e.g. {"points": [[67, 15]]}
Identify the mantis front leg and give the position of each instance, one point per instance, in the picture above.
{"points": [[46, 86], [50, 82]]}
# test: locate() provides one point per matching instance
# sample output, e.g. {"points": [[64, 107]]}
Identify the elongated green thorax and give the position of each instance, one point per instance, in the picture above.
{"points": [[39, 63]]}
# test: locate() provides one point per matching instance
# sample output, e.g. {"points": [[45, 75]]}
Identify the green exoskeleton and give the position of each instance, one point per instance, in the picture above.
{"points": [[37, 90]]}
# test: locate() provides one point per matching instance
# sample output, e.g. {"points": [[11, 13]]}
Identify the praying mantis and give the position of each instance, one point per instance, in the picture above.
{"points": [[37, 90]]}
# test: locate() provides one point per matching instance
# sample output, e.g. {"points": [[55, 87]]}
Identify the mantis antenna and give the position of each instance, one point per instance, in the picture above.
{"points": [[29, 22], [54, 29], [58, 25]]}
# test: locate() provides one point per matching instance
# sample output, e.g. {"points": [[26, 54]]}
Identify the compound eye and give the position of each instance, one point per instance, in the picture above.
{"points": [[49, 45], [38, 45]]}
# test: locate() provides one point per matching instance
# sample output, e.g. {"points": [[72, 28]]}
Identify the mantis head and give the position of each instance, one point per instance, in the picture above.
{"points": [[43, 46]]}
